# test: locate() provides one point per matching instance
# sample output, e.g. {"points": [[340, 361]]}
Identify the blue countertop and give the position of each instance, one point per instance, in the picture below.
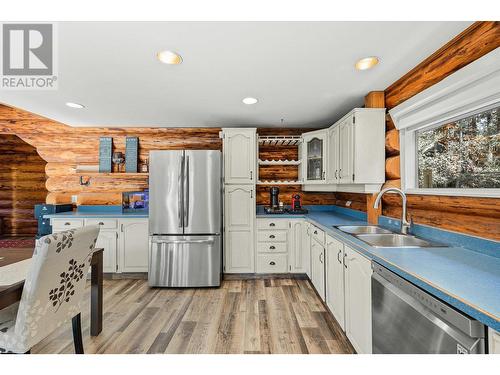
{"points": [[91, 212], [467, 279]]}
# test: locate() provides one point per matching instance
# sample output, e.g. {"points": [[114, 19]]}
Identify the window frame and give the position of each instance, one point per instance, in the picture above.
{"points": [[409, 161]]}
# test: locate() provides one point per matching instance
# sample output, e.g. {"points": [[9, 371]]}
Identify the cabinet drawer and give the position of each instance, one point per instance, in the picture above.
{"points": [[272, 224], [271, 263], [104, 223], [318, 235], [271, 236], [272, 247], [65, 224]]}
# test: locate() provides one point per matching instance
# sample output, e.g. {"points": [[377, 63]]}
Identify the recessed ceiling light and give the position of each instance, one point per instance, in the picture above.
{"points": [[169, 57], [367, 63], [75, 105], [249, 100]]}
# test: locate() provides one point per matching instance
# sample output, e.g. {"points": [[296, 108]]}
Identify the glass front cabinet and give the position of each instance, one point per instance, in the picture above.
{"points": [[314, 157]]}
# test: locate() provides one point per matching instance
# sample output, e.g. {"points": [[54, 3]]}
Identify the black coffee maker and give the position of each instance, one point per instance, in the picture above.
{"points": [[274, 202]]}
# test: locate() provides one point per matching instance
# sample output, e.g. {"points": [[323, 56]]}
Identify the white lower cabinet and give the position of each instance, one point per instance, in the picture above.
{"points": [[124, 241], [318, 267], [493, 341], [107, 241], [358, 320], [306, 247], [299, 253], [335, 278], [133, 254]]}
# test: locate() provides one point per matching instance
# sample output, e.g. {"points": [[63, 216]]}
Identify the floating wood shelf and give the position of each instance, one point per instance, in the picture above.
{"points": [[280, 140], [112, 174], [279, 182], [279, 162]]}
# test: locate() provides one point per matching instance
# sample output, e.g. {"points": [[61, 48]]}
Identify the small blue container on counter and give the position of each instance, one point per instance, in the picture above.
{"points": [[135, 201]]}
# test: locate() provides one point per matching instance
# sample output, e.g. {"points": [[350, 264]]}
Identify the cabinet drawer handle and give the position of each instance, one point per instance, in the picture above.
{"points": [[272, 224], [272, 263], [101, 223], [67, 223], [272, 236], [272, 247]]}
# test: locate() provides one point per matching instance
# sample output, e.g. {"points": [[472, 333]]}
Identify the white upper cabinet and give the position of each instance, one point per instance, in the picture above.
{"points": [[347, 154], [332, 171], [314, 157], [239, 156], [355, 154]]}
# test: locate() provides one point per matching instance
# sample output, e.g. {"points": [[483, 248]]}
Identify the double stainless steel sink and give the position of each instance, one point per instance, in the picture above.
{"points": [[380, 237]]}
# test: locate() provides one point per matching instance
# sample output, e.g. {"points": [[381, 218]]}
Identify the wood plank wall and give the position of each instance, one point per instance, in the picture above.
{"points": [[477, 216], [64, 147], [22, 185]]}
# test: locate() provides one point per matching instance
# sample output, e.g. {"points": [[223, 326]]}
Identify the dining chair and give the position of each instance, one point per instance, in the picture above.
{"points": [[53, 291]]}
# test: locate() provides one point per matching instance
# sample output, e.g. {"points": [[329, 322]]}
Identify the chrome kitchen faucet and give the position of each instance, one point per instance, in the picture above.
{"points": [[405, 227]]}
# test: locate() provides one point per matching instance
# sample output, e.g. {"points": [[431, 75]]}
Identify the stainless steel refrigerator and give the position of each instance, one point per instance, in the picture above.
{"points": [[185, 218]]}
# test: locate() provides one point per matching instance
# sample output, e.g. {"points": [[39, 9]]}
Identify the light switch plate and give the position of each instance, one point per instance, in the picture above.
{"points": [[348, 203], [74, 198]]}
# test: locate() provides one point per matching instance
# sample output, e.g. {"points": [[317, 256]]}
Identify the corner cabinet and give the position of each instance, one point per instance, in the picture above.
{"points": [[240, 160], [314, 157], [239, 218], [358, 317]]}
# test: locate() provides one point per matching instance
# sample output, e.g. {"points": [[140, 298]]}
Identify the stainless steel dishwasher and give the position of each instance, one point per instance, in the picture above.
{"points": [[405, 319]]}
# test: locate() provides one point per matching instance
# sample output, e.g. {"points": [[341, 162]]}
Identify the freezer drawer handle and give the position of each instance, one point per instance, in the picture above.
{"points": [[184, 241]]}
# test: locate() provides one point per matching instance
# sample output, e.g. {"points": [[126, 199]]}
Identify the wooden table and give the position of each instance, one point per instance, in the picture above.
{"points": [[10, 294]]}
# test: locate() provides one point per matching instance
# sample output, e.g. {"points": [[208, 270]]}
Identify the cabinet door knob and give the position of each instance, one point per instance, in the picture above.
{"points": [[315, 232], [272, 236], [272, 247], [272, 224], [272, 263]]}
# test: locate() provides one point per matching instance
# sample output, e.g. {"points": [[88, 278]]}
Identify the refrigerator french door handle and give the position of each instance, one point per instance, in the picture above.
{"points": [[180, 194], [183, 241], [186, 192]]}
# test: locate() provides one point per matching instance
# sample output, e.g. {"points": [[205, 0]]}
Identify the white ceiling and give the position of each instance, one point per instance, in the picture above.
{"points": [[302, 72]]}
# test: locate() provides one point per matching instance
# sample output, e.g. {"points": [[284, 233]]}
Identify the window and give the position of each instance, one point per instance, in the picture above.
{"points": [[449, 133], [463, 154]]}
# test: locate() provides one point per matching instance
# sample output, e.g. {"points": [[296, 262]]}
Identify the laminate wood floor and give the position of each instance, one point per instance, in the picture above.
{"points": [[243, 316]]}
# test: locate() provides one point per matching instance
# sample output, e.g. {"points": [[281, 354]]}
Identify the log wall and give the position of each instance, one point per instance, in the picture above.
{"points": [[64, 147], [22, 185]]}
